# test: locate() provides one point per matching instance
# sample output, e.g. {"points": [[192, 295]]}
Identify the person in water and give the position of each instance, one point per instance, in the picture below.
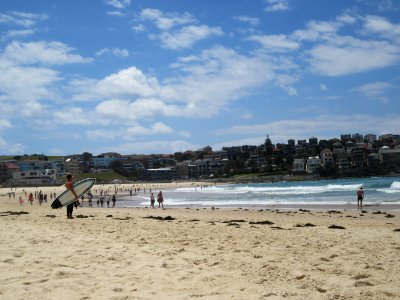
{"points": [[69, 185], [360, 197]]}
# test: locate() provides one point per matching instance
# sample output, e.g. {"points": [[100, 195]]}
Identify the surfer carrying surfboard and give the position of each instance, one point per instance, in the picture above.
{"points": [[69, 185]]}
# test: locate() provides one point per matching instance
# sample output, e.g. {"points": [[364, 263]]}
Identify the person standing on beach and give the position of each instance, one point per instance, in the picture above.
{"points": [[114, 199], [90, 197], [360, 197], [30, 198], [69, 185], [152, 201], [160, 200], [108, 201]]}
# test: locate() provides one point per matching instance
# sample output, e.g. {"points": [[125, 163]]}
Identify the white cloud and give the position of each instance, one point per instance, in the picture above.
{"points": [[4, 124], [382, 27], [135, 110], [113, 51], [21, 18], [277, 5], [166, 21], [19, 33], [196, 92], [187, 36], [105, 134], [26, 83], [51, 53], [346, 19], [213, 69], [323, 87], [118, 4], [138, 28], [291, 91], [178, 31], [127, 82], [383, 5], [73, 116], [275, 43], [333, 54], [116, 13], [250, 20], [346, 55], [129, 133], [317, 30], [156, 128], [375, 90], [30, 109]]}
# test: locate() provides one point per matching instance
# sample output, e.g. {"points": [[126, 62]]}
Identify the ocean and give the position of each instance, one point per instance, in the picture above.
{"points": [[338, 192]]}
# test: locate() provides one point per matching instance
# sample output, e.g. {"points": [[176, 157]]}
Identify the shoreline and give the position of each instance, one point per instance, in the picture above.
{"points": [[135, 201]]}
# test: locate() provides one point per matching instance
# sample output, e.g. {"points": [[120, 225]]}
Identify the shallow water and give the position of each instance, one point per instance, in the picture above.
{"points": [[378, 191]]}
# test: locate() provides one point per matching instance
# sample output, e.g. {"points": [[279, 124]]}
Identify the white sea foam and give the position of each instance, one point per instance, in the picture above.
{"points": [[395, 185], [177, 202], [276, 190], [328, 192], [393, 189]]}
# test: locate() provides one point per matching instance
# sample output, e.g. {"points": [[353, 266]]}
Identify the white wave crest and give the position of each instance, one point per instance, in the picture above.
{"points": [[276, 190], [393, 189]]}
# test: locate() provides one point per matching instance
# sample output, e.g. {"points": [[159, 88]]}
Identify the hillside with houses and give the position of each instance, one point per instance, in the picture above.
{"points": [[350, 155]]}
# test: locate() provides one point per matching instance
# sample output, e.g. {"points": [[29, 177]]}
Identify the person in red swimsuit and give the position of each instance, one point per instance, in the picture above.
{"points": [[69, 185]]}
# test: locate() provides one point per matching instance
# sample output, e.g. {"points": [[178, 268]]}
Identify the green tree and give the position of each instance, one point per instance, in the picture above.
{"points": [[86, 156]]}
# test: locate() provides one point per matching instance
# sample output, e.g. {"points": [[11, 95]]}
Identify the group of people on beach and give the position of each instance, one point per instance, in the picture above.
{"points": [[40, 196], [100, 201], [160, 200]]}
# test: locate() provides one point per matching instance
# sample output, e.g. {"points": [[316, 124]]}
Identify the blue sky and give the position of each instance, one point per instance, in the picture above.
{"points": [[144, 76]]}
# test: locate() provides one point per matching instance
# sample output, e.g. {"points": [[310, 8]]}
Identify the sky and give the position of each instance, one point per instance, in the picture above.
{"points": [[152, 77]]}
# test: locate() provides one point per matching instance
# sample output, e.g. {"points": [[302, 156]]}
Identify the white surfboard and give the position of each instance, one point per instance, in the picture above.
{"points": [[67, 197]]}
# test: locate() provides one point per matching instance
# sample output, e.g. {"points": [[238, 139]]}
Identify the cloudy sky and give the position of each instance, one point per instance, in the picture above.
{"points": [[147, 76]]}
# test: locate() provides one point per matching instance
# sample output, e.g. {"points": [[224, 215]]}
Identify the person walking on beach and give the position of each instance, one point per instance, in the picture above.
{"points": [[21, 201], [90, 197], [114, 199], [108, 201], [360, 197], [152, 201], [69, 185], [30, 198], [160, 200]]}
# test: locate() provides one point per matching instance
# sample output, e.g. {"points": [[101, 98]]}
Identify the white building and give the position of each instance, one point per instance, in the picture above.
{"points": [[313, 164], [31, 178]]}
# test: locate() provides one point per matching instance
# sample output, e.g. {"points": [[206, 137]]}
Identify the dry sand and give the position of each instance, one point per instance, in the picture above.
{"points": [[201, 253]]}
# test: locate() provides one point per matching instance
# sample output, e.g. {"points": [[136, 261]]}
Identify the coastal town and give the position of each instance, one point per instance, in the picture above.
{"points": [[351, 155]]}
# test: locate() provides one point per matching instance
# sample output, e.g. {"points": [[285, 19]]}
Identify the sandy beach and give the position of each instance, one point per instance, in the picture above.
{"points": [[178, 253]]}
